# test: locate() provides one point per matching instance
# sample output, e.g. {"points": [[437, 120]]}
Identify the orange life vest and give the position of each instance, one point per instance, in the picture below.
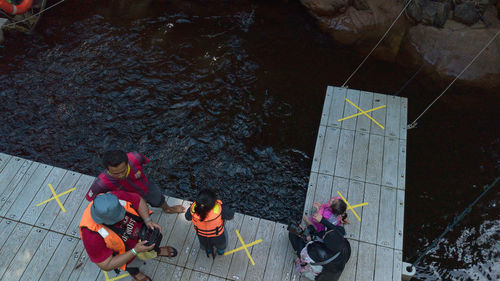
{"points": [[113, 241], [16, 9], [213, 225]]}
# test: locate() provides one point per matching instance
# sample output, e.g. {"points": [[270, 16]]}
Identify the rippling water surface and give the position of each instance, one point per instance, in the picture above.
{"points": [[229, 96]]}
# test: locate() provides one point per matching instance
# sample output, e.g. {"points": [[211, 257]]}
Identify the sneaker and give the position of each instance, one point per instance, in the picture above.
{"points": [[220, 252]]}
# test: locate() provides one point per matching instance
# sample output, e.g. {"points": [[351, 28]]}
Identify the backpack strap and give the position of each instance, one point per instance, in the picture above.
{"points": [[326, 261]]}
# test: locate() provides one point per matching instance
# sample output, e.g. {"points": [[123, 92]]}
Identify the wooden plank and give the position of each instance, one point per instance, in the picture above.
{"points": [[402, 164], [149, 268], [369, 223], [8, 198], [349, 109], [400, 218], [360, 156], [74, 201], [375, 158], [220, 267], [25, 253], [355, 196], [4, 159], [403, 119], [260, 252], [387, 217], [337, 107], [19, 176], [215, 278], [365, 103], [51, 209], [59, 259], [90, 271], [6, 228], [29, 190], [379, 115], [289, 273], [164, 271], [349, 273], [32, 211], [41, 258], [323, 189], [11, 246], [77, 258], [328, 156], [344, 154], [186, 274], [240, 260], [177, 273], [167, 222], [393, 121], [384, 261], [340, 184], [72, 229], [9, 172], [178, 236], [276, 261], [326, 106], [198, 276], [311, 190], [366, 262], [390, 162], [318, 149], [397, 267]]}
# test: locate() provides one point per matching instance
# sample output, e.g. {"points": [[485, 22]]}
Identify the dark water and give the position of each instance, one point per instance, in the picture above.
{"points": [[229, 96]]}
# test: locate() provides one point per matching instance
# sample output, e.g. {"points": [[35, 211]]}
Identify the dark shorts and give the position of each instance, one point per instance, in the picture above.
{"points": [[219, 242], [155, 197]]}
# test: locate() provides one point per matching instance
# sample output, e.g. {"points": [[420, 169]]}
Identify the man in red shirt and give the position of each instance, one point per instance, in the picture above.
{"points": [[124, 172], [110, 227]]}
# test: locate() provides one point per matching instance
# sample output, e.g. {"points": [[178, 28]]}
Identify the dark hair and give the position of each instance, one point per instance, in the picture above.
{"points": [[205, 201], [114, 158], [338, 207]]}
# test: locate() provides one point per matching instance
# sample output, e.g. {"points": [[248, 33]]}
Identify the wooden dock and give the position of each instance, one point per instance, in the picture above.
{"points": [[365, 163], [355, 157]]}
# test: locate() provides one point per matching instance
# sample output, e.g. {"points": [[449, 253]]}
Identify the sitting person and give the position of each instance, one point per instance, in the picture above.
{"points": [[110, 228], [323, 258], [208, 215], [124, 172], [334, 211]]}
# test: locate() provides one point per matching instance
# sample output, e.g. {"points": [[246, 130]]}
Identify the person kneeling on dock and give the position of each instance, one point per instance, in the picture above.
{"points": [[124, 172], [111, 229], [321, 256], [208, 215]]}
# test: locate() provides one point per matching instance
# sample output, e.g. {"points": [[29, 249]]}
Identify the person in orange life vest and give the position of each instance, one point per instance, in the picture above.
{"points": [[124, 172], [208, 215], [110, 227]]}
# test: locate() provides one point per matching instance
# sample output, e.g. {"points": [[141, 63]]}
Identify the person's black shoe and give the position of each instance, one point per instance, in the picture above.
{"points": [[295, 229]]}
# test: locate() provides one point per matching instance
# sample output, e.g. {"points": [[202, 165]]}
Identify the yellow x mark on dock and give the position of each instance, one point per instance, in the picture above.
{"points": [[363, 112], [56, 196], [245, 246], [115, 278], [349, 207]]}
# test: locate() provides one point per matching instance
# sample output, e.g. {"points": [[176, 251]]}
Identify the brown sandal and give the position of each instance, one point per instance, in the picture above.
{"points": [[171, 252]]}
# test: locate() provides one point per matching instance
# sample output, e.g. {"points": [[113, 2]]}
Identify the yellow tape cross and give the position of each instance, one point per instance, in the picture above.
{"points": [[245, 246], [114, 278], [349, 207], [363, 112], [56, 196]]}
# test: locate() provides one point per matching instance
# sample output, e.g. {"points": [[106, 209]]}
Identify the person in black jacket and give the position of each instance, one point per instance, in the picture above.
{"points": [[334, 241]]}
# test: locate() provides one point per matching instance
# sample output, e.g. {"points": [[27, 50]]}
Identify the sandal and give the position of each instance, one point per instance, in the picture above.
{"points": [[171, 252], [145, 278]]}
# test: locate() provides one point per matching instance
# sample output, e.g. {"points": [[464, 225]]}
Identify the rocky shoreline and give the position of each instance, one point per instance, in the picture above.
{"points": [[443, 36]]}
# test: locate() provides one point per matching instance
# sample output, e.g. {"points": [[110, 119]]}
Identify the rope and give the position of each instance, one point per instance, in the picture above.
{"points": [[409, 80], [414, 123], [383, 37], [34, 15], [455, 221]]}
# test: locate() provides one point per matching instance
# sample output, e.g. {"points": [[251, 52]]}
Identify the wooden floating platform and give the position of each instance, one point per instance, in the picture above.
{"points": [[365, 163], [355, 157]]}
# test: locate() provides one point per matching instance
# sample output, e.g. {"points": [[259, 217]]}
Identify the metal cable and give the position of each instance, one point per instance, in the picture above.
{"points": [[414, 123], [383, 37]]}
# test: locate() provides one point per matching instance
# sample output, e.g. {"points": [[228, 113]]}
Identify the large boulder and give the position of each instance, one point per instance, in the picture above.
{"points": [[325, 7], [429, 12], [466, 13]]}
